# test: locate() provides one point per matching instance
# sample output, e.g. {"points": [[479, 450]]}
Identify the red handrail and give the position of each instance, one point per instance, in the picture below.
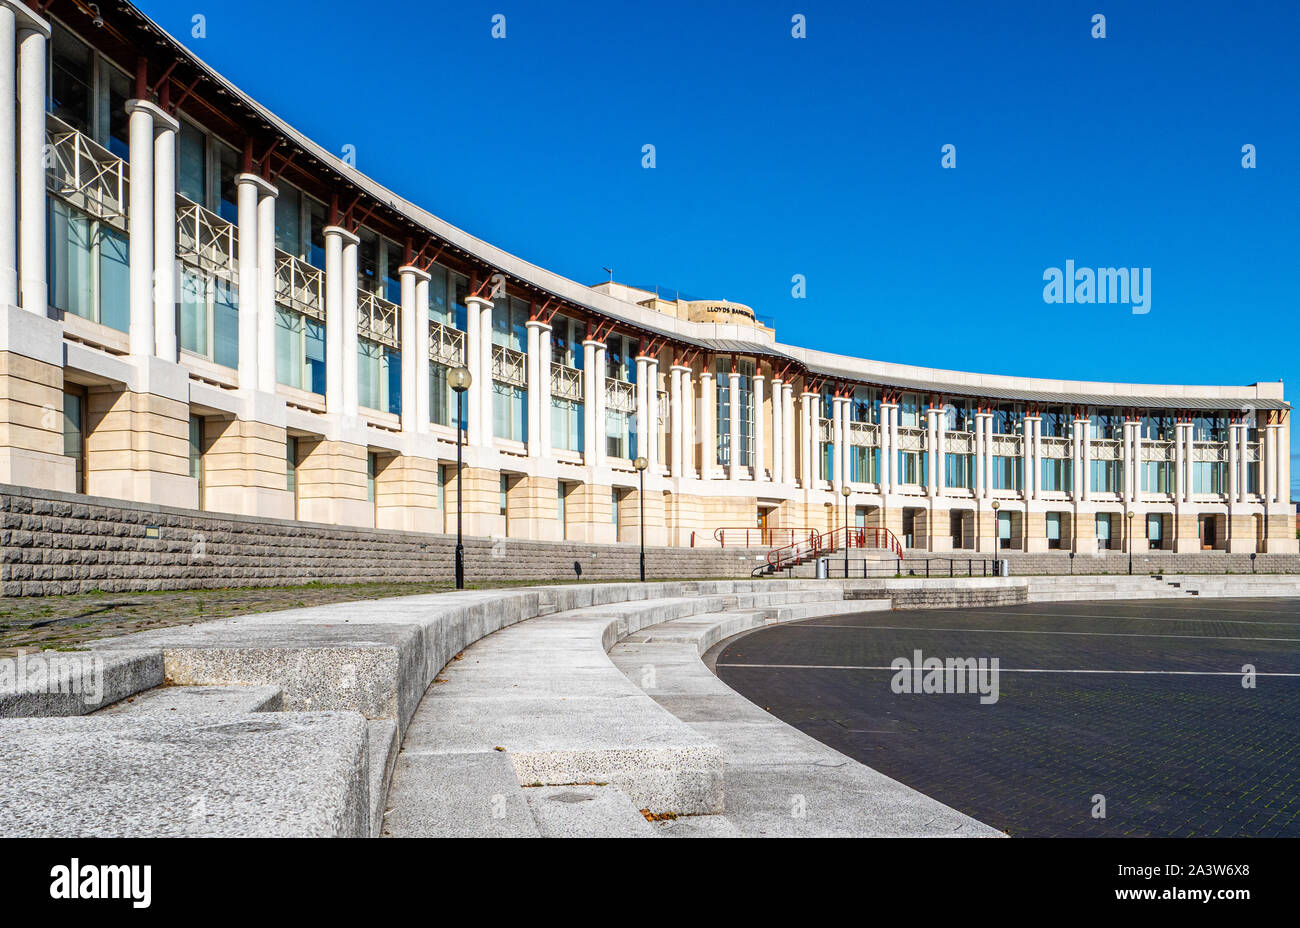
{"points": [[848, 536], [738, 536]]}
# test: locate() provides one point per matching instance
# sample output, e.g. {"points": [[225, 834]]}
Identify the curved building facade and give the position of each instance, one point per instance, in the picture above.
{"points": [[201, 307]]}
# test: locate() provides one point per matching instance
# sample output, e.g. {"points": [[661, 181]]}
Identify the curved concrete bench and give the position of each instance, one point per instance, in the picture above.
{"points": [[780, 782]]}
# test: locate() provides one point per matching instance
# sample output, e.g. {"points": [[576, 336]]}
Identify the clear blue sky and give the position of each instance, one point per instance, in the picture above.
{"points": [[821, 156]]}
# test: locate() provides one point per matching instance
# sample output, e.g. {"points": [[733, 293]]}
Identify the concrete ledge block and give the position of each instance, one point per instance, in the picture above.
{"points": [[62, 683], [152, 775]]}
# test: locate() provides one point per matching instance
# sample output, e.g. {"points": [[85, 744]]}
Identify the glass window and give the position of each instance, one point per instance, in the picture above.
{"points": [[70, 79], [959, 470], [288, 220], [318, 220], [192, 164], [509, 418], [291, 464], [368, 261], [566, 424], [227, 206], [289, 347], [393, 255], [114, 120], [88, 267], [438, 310]]}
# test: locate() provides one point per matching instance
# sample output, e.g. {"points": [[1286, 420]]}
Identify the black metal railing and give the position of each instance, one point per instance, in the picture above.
{"points": [[839, 568]]}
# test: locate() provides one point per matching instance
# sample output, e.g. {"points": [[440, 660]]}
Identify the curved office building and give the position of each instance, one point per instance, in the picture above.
{"points": [[203, 308]]}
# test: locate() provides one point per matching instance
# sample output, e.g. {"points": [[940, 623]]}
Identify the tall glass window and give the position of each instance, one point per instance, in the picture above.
{"points": [[509, 411], [959, 470], [192, 164], [745, 401], [299, 351], [379, 377], [88, 267], [1056, 474], [209, 316]]}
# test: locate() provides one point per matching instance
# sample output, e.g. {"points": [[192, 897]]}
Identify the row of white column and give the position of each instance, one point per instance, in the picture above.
{"points": [[23, 40]]}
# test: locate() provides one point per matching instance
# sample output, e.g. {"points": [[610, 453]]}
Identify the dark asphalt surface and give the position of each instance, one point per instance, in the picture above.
{"points": [[1192, 753]]}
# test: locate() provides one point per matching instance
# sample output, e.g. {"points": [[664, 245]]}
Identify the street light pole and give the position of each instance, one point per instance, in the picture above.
{"points": [[459, 380], [641, 464], [846, 491], [1129, 518]]}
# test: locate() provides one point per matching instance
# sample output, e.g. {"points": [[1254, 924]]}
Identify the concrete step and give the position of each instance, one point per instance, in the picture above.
{"points": [[585, 811], [777, 598], [817, 608], [60, 683], [235, 700], [382, 746]]}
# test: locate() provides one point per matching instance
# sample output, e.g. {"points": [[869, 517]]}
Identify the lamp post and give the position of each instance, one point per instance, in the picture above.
{"points": [[459, 379], [997, 534], [641, 464], [846, 491], [1129, 518]]}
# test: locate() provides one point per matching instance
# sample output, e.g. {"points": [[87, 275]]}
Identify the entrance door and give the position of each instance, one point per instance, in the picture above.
{"points": [[1205, 527]]}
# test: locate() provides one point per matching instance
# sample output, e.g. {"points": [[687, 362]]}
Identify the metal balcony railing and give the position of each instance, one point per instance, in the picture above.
{"points": [[566, 382], [204, 239], [866, 434], [299, 286], [1105, 449], [910, 439], [960, 442], [1209, 451], [378, 320], [1056, 447], [509, 366], [85, 174], [1158, 451], [446, 345], [620, 395]]}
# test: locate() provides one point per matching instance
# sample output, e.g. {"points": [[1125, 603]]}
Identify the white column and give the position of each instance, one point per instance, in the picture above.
{"points": [[941, 452], [421, 351], [787, 433], [981, 444], [642, 394], [593, 380], [32, 35], [543, 437], [266, 287], [140, 222], [733, 424], [350, 323], [9, 152], [410, 347], [1135, 491], [479, 428], [164, 237], [778, 436], [932, 450], [600, 402], [1243, 435], [487, 396], [334, 239], [839, 439], [675, 456], [1274, 455], [1189, 459], [843, 453], [1180, 475], [652, 426], [708, 422], [887, 411], [688, 423], [1234, 464], [760, 427], [1083, 481], [539, 386], [256, 331], [1029, 491]]}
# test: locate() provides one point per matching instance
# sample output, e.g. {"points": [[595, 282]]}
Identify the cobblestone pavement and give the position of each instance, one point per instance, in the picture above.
{"points": [[1188, 754], [35, 622]]}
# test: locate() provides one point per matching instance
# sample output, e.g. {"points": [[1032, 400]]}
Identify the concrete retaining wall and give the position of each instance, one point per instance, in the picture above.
{"points": [[941, 593], [1116, 562], [68, 543]]}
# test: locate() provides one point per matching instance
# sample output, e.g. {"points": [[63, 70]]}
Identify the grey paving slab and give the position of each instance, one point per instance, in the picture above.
{"points": [[586, 812], [454, 795], [163, 775]]}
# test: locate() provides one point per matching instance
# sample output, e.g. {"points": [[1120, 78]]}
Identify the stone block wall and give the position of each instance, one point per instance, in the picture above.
{"points": [[68, 543]]}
